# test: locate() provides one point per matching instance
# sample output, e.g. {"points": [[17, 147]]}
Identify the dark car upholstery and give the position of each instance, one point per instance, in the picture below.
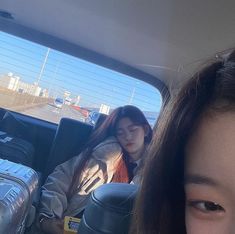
{"points": [[69, 140], [109, 209]]}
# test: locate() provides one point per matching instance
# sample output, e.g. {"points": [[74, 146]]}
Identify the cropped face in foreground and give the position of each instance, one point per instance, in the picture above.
{"points": [[210, 176]]}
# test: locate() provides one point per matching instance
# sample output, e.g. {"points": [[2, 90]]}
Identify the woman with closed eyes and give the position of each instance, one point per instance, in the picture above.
{"points": [[114, 153]]}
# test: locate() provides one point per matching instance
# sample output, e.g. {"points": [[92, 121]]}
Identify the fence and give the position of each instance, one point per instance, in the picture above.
{"points": [[19, 101]]}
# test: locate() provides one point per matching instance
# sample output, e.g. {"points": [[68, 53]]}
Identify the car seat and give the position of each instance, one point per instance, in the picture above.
{"points": [[109, 209], [70, 137], [100, 120]]}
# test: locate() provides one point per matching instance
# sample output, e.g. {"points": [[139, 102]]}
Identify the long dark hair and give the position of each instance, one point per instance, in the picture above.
{"points": [[161, 201], [106, 129]]}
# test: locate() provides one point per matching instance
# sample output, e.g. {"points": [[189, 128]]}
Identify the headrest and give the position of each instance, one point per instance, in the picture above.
{"points": [[69, 141], [13, 126], [109, 209], [100, 120]]}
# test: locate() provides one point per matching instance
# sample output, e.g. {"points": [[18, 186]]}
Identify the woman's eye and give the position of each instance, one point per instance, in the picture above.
{"points": [[133, 129], [206, 206], [119, 134]]}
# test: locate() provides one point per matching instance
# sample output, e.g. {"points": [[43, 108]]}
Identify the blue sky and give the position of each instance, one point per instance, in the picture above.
{"points": [[94, 84]]}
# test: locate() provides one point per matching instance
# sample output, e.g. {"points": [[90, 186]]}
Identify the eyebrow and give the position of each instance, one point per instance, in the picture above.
{"points": [[200, 180]]}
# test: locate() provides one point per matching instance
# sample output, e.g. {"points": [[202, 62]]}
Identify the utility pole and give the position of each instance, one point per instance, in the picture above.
{"points": [[42, 68], [53, 77], [132, 96], [40, 73]]}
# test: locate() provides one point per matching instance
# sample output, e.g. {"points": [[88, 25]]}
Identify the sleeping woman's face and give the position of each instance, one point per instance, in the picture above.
{"points": [[210, 176], [131, 137]]}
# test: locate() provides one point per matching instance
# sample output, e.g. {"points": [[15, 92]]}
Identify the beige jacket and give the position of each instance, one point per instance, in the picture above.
{"points": [[98, 170]]}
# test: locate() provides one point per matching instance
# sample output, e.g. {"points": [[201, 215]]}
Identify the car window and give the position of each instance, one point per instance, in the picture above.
{"points": [[33, 78]]}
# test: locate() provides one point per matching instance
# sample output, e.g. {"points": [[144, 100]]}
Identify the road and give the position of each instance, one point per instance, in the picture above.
{"points": [[50, 113]]}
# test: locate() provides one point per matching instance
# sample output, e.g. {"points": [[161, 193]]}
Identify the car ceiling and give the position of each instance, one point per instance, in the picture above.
{"points": [[166, 39]]}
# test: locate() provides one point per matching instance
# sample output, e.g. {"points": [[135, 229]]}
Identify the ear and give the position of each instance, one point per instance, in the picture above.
{"points": [[146, 130]]}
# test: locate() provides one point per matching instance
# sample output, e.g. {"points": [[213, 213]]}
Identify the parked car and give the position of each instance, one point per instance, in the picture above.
{"points": [[67, 101]]}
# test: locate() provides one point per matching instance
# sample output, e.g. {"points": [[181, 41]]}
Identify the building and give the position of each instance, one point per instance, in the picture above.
{"points": [[12, 82], [9, 81]]}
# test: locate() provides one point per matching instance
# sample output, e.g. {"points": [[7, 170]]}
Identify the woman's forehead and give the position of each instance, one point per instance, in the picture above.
{"points": [[211, 149], [124, 123]]}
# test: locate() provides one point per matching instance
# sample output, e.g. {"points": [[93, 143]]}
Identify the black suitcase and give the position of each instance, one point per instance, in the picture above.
{"points": [[16, 149]]}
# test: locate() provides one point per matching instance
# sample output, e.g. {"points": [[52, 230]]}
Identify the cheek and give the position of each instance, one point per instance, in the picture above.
{"points": [[195, 225], [192, 226], [140, 136], [121, 141]]}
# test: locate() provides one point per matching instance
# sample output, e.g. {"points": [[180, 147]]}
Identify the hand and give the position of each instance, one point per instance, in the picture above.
{"points": [[53, 226]]}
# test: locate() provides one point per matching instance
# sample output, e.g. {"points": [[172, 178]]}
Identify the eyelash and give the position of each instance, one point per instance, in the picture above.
{"points": [[119, 133], [131, 130], [208, 206]]}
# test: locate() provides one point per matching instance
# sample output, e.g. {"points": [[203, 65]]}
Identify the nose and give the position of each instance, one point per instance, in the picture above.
{"points": [[128, 135]]}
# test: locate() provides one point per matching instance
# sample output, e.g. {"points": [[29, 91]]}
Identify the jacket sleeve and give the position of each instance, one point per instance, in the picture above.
{"points": [[101, 166], [53, 201], [97, 171]]}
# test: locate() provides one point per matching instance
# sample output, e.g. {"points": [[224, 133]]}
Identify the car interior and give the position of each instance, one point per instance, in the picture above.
{"points": [[160, 43]]}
